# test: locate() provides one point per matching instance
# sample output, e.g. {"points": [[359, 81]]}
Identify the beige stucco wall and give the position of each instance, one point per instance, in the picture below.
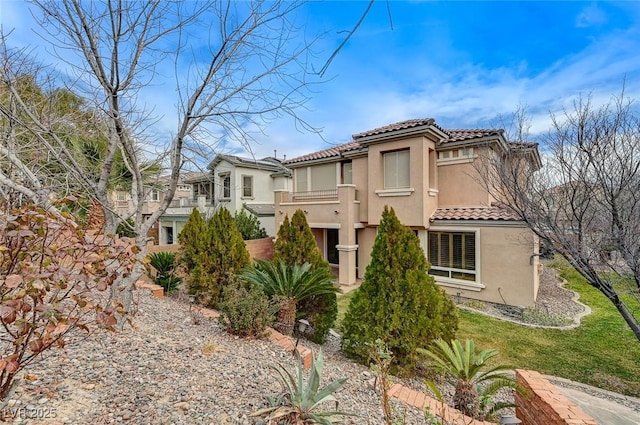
{"points": [[414, 208], [459, 186], [366, 237], [505, 268], [359, 176]]}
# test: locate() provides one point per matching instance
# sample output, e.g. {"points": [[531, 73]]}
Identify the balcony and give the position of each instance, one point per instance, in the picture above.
{"points": [[188, 202], [311, 196]]}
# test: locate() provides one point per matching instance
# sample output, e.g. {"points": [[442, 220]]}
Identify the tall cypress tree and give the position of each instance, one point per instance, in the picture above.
{"points": [[296, 245], [191, 239], [398, 301], [215, 253]]}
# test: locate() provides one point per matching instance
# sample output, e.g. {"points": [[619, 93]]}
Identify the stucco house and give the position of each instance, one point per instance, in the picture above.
{"points": [[477, 248], [233, 181], [242, 181]]}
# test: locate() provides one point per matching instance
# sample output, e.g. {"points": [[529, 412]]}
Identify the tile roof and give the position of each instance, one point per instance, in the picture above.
{"points": [[494, 212], [523, 145], [396, 126], [267, 163], [456, 135], [334, 151]]}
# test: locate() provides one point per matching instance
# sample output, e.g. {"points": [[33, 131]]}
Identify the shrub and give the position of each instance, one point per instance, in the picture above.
{"points": [[51, 276], [212, 254], [192, 239], [248, 224], [126, 229], [398, 302], [164, 263], [290, 284], [246, 309], [295, 244]]}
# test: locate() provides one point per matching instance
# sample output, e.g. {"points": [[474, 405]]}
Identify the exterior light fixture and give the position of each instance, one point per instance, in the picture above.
{"points": [[301, 326]]}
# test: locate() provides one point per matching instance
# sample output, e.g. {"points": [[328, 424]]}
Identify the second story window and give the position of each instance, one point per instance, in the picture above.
{"points": [[396, 169], [247, 186], [347, 173], [122, 195], [155, 195], [226, 186]]}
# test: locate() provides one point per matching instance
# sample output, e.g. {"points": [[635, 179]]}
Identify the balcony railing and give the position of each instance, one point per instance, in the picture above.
{"points": [[314, 195], [186, 202]]}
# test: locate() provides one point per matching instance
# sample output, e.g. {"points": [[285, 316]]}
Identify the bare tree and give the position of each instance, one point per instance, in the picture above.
{"points": [[585, 201], [254, 64]]}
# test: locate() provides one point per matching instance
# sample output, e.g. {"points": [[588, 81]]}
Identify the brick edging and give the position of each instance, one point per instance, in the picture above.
{"points": [[439, 409]]}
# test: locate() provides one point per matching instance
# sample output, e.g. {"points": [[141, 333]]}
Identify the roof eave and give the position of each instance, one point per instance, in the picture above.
{"points": [[394, 134]]}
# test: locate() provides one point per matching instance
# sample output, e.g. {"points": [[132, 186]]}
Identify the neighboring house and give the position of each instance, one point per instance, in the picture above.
{"points": [[232, 182], [477, 249], [194, 190], [250, 182], [154, 195]]}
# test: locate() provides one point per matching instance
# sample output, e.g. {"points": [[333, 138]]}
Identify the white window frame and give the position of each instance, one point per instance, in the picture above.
{"points": [[122, 195], [225, 190], [154, 195], [244, 187], [472, 285], [397, 185]]}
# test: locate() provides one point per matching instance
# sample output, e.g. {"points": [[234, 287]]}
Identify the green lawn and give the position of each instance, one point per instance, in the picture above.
{"points": [[602, 352]]}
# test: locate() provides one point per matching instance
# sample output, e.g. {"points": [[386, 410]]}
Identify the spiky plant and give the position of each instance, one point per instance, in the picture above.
{"points": [[302, 400], [291, 284], [468, 370]]}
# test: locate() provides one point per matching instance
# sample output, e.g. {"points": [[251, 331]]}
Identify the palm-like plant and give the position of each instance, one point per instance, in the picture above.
{"points": [[301, 402], [468, 370], [290, 284]]}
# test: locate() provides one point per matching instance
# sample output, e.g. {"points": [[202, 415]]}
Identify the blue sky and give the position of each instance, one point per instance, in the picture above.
{"points": [[462, 63]]}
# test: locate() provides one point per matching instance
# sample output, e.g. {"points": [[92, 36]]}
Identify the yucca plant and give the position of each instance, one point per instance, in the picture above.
{"points": [[290, 285], [302, 399], [468, 370]]}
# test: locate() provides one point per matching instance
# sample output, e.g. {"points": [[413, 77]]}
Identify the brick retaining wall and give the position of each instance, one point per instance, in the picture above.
{"points": [[544, 404]]}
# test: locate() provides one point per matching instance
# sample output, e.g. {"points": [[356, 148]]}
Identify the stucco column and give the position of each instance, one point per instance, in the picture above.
{"points": [[278, 195], [346, 216]]}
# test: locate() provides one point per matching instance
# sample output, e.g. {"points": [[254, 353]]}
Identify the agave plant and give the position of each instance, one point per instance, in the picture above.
{"points": [[476, 383], [290, 284], [301, 400]]}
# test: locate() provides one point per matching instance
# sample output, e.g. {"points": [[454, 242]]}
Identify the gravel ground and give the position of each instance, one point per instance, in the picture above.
{"points": [[167, 370]]}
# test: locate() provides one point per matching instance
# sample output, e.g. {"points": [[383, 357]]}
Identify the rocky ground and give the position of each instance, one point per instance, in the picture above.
{"points": [[167, 370]]}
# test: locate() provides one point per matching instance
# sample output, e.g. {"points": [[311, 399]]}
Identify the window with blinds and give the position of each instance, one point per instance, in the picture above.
{"points": [[301, 179], [396, 169], [453, 255]]}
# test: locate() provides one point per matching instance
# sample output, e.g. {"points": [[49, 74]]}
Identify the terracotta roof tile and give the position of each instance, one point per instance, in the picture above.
{"points": [[494, 212], [396, 126], [456, 135], [326, 153], [523, 145]]}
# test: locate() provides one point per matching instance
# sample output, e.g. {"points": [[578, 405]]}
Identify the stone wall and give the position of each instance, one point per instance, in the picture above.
{"points": [[544, 404]]}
